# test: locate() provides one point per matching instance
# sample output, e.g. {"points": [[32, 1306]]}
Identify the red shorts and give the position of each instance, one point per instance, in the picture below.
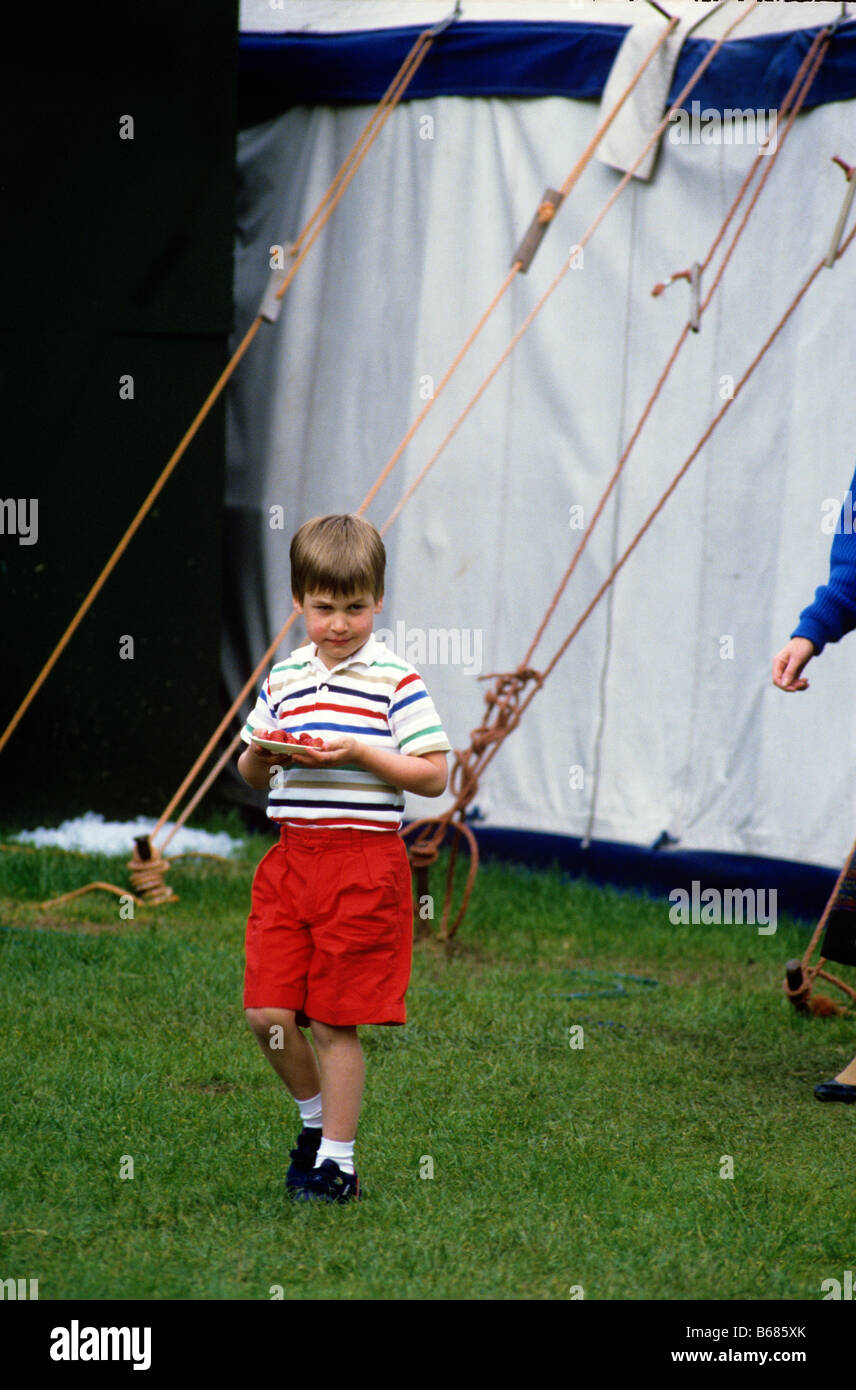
{"points": [[330, 931]]}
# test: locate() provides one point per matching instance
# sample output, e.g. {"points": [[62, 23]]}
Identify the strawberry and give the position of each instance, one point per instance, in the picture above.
{"points": [[273, 736]]}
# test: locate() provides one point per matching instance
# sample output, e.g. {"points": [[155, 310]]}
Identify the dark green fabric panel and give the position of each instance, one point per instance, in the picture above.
{"points": [[118, 263]]}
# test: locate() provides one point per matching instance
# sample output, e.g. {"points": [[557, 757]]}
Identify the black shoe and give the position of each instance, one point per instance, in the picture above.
{"points": [[302, 1160], [836, 1090], [329, 1184]]}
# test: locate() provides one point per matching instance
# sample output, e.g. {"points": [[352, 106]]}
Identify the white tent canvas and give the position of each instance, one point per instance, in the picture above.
{"points": [[661, 715]]}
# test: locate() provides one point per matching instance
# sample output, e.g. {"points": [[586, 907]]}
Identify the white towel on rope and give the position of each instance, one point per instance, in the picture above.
{"points": [[643, 110]]}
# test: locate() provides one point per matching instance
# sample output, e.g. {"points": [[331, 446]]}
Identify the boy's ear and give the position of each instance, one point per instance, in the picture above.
{"points": [[379, 604], [298, 606]]}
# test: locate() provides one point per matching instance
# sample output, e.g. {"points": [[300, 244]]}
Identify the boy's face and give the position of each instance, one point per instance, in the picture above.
{"points": [[338, 626]]}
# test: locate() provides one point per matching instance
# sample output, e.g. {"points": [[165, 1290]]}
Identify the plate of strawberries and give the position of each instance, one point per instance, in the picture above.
{"points": [[279, 741]]}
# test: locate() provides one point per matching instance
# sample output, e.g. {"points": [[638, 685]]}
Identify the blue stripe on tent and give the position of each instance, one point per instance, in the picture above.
{"points": [[802, 889], [510, 59]]}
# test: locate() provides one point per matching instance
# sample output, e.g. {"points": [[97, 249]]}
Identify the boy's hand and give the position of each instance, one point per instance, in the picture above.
{"points": [[424, 775], [789, 662], [338, 750], [267, 755], [255, 765]]}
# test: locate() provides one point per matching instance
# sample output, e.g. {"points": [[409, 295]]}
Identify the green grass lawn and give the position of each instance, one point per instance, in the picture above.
{"points": [[553, 1166]]}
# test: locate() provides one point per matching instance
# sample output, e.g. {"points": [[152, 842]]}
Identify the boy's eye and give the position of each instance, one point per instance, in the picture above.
{"points": [[328, 607]]}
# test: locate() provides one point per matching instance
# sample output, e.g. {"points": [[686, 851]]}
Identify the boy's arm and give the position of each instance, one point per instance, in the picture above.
{"points": [[255, 764], [425, 774]]}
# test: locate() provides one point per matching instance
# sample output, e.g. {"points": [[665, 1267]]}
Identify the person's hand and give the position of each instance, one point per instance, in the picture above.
{"points": [[267, 755], [338, 749], [789, 662]]}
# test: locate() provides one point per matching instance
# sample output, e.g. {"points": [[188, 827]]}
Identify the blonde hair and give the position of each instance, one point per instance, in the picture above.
{"points": [[338, 555]]}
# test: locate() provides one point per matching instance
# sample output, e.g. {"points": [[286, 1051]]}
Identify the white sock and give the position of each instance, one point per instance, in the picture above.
{"points": [[310, 1111], [341, 1151]]}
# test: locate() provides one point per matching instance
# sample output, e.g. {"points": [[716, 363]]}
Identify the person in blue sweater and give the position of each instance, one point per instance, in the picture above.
{"points": [[827, 619]]}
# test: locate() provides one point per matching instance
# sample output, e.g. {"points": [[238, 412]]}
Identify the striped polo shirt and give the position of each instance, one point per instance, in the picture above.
{"points": [[373, 695]]}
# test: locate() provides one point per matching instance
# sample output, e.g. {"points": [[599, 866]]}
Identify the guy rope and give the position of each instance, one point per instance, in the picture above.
{"points": [[521, 262], [147, 866], [837, 927], [505, 702], [267, 312]]}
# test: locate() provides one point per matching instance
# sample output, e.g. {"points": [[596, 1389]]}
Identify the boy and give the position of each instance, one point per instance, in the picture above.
{"points": [[329, 937], [830, 617]]}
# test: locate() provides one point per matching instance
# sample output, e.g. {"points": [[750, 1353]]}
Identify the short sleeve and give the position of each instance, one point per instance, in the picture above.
{"points": [[413, 719], [262, 716]]}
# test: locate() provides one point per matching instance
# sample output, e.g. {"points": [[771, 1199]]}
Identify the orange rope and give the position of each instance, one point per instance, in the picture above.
{"points": [[570, 181], [248, 685], [813, 58], [583, 161], [126, 540], [386, 470], [198, 795], [388, 103], [344, 178], [586, 237], [504, 703], [833, 980], [810, 972], [90, 888], [429, 404], [392, 95], [619, 565], [517, 711]]}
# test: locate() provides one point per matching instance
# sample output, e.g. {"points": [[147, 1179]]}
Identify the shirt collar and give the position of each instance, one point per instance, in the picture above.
{"points": [[363, 656]]}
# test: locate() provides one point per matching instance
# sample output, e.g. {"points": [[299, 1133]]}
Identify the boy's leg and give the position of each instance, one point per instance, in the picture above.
{"points": [[288, 1050], [343, 1072]]}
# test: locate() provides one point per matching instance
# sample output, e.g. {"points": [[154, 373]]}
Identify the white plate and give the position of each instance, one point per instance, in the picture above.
{"points": [[286, 749]]}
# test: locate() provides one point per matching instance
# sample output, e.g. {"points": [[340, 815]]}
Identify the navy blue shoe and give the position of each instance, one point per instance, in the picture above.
{"points": [[302, 1160], [836, 1090], [329, 1184]]}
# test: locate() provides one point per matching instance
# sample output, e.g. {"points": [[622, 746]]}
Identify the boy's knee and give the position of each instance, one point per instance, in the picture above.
{"points": [[327, 1034], [263, 1020]]}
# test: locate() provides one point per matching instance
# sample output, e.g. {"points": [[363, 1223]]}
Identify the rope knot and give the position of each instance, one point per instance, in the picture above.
{"points": [[148, 870], [423, 853]]}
